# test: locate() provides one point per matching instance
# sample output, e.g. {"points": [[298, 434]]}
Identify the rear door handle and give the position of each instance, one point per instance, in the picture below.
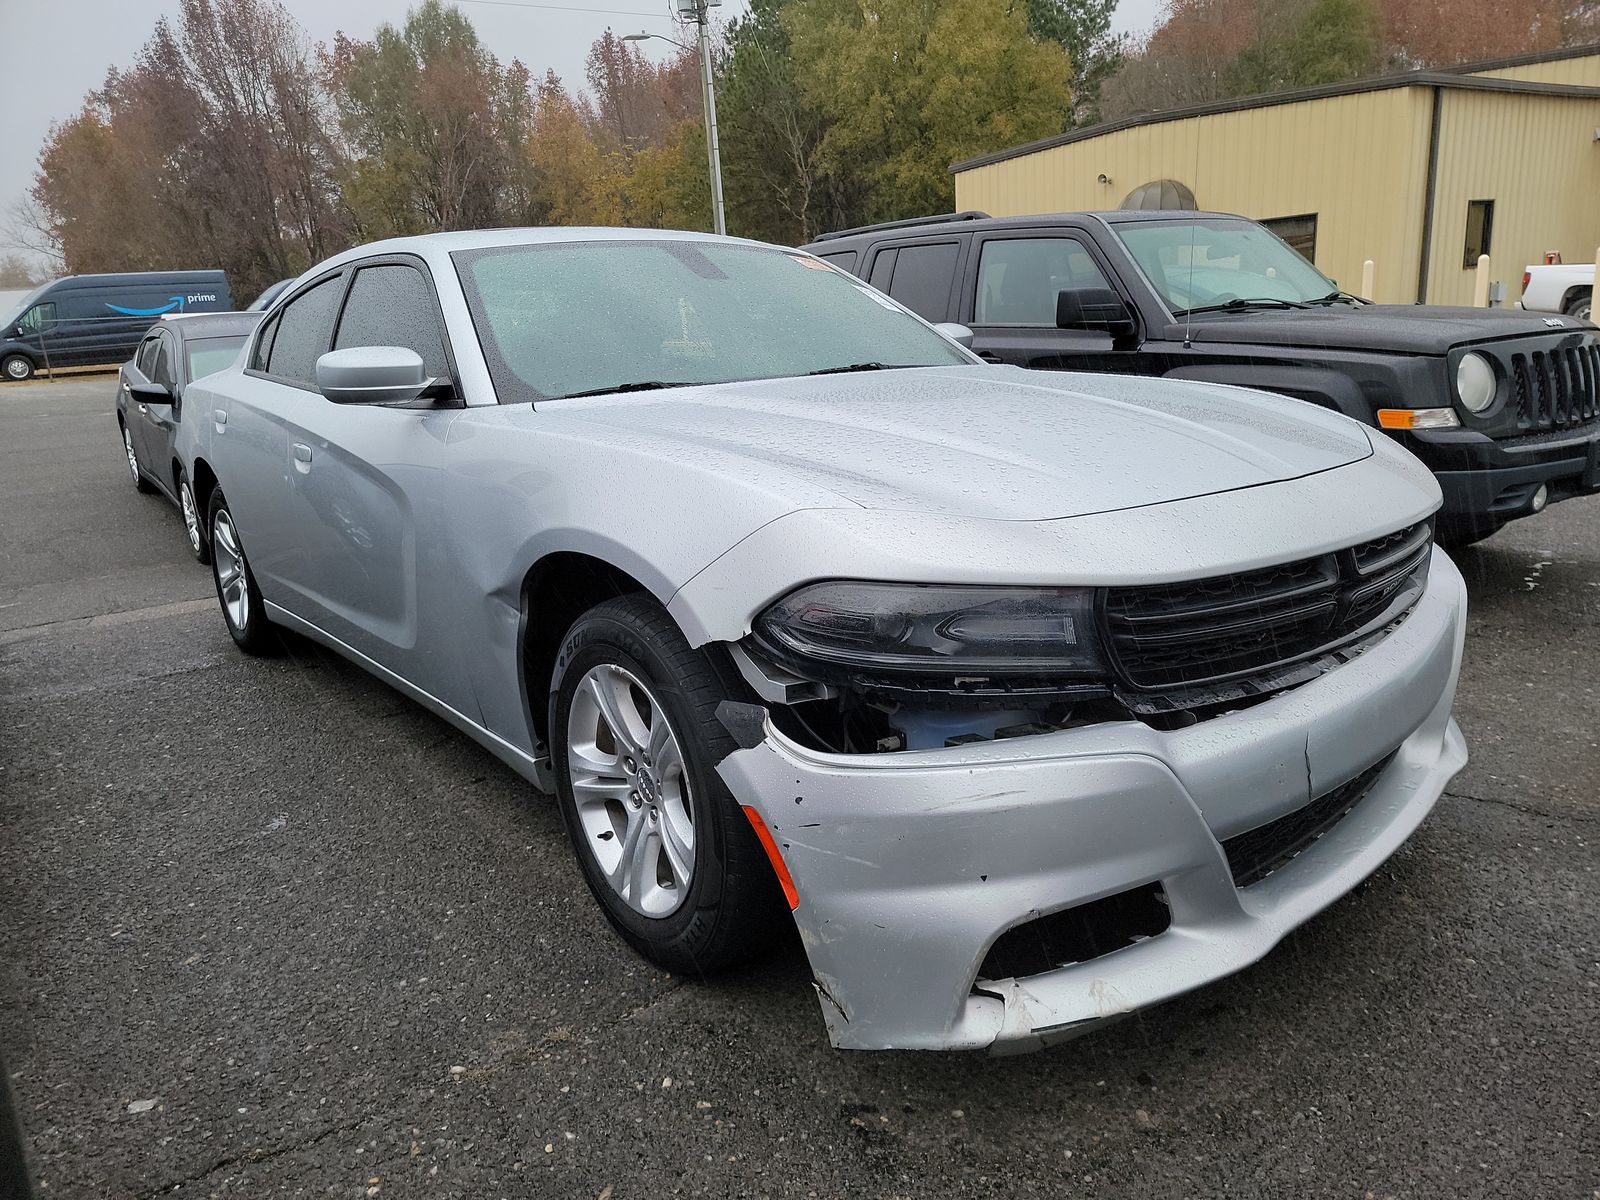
{"points": [[220, 416], [302, 457]]}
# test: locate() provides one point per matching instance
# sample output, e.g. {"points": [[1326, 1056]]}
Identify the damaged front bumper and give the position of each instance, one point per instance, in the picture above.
{"points": [[909, 866]]}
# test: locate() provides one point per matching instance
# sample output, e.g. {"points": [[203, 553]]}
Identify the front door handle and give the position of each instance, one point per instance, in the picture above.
{"points": [[302, 452], [220, 416]]}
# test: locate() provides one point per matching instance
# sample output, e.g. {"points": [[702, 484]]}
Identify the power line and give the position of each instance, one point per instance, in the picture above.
{"points": [[620, 12]]}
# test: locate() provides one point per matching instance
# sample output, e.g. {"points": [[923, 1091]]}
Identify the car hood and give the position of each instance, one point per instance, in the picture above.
{"points": [[992, 442], [1394, 328]]}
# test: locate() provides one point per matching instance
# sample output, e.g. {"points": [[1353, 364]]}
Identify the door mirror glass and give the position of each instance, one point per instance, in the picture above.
{"points": [[959, 334], [1092, 308], [150, 393], [371, 375]]}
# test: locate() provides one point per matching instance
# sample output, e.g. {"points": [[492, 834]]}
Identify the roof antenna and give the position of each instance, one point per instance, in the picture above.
{"points": [[1194, 229]]}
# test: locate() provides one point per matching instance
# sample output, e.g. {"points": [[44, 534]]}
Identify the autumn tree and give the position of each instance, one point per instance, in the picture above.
{"points": [[911, 86], [436, 130], [637, 103]]}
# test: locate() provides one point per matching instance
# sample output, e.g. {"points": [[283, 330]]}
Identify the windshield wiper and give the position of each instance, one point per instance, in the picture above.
{"points": [[863, 366], [1337, 297], [1240, 304], [643, 385]]}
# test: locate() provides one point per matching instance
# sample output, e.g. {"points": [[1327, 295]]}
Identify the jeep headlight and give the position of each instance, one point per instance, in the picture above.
{"points": [[925, 630], [1475, 382]]}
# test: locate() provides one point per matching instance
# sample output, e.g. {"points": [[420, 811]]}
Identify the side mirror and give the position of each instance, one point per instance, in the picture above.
{"points": [[959, 334], [1098, 309], [150, 393], [371, 375]]}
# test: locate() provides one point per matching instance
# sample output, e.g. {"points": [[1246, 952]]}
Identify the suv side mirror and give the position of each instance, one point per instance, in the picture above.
{"points": [[1098, 309], [371, 375], [150, 393]]}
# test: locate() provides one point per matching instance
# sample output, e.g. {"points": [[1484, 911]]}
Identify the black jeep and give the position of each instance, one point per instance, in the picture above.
{"points": [[1503, 405]]}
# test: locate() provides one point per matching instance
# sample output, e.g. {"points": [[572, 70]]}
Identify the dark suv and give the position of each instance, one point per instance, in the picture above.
{"points": [[1503, 405]]}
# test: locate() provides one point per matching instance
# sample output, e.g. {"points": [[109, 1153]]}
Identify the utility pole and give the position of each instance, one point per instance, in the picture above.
{"points": [[695, 10]]}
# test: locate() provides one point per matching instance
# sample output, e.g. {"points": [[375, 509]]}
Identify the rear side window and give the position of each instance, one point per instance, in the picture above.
{"points": [[1019, 279], [303, 331], [392, 305], [922, 278]]}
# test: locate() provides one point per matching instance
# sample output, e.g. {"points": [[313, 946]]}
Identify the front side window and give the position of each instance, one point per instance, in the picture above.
{"points": [[146, 362], [392, 305], [1020, 278], [303, 331], [559, 318], [161, 372], [207, 356], [1212, 262], [41, 318]]}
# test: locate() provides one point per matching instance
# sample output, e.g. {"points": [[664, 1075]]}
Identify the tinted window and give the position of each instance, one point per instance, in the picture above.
{"points": [[922, 278], [392, 305], [845, 260], [147, 356], [882, 270], [304, 329], [565, 317], [207, 356], [162, 371], [263, 351], [1019, 279]]}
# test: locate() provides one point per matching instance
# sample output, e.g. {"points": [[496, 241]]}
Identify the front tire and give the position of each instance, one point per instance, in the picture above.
{"points": [[193, 528], [237, 592], [140, 483], [16, 367], [663, 845]]}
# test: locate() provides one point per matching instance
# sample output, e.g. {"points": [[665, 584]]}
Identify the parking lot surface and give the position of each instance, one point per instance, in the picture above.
{"points": [[269, 929]]}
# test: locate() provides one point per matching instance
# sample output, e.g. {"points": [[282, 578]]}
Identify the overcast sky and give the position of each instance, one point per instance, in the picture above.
{"points": [[59, 50]]}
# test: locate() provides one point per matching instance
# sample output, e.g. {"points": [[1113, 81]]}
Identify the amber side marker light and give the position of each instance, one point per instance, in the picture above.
{"points": [[1418, 418], [764, 836]]}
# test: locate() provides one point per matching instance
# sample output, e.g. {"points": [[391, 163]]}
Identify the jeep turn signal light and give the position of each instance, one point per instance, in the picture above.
{"points": [[779, 867], [1418, 418]]}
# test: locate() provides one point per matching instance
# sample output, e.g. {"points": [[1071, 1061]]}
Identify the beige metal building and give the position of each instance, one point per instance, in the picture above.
{"points": [[1418, 172]]}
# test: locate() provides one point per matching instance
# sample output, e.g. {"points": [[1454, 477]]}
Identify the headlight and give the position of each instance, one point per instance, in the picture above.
{"points": [[948, 631], [1475, 382]]}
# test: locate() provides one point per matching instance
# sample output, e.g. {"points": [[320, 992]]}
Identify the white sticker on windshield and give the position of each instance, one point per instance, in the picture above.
{"points": [[876, 298]]}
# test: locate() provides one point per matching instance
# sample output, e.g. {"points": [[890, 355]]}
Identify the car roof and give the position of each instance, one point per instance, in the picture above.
{"points": [[487, 239], [969, 222], [201, 325]]}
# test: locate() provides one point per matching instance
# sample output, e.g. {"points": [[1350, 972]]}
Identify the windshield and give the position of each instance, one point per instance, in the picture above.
{"points": [[14, 305], [207, 356], [566, 317], [1211, 261]]}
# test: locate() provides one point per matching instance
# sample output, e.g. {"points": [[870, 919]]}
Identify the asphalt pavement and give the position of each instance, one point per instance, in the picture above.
{"points": [[269, 929]]}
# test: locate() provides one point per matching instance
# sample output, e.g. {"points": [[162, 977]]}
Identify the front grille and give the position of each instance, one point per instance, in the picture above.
{"points": [[1258, 852], [1556, 389], [1205, 631]]}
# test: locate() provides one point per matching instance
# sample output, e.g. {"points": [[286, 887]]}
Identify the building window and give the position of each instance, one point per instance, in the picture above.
{"points": [[1300, 232], [1480, 224]]}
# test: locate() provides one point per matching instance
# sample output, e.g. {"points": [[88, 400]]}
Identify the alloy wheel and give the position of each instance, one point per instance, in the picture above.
{"points": [[133, 459], [17, 367], [630, 791], [232, 580], [191, 519]]}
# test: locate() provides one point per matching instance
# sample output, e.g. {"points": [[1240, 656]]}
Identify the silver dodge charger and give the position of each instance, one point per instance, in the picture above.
{"points": [[1030, 699]]}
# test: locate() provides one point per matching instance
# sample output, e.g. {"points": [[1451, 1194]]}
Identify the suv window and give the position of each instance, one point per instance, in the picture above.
{"points": [[1019, 278], [392, 305], [845, 260], [302, 333], [922, 278]]}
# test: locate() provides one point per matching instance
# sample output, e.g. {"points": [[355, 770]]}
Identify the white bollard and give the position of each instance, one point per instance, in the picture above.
{"points": [[1480, 283], [1367, 269]]}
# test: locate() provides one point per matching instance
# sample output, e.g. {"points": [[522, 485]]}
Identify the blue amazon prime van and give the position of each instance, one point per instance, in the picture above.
{"points": [[98, 319]]}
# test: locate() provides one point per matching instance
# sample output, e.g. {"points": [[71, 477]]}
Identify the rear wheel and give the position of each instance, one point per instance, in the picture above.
{"points": [[139, 481], [663, 845], [16, 367], [242, 608], [192, 528], [1580, 306]]}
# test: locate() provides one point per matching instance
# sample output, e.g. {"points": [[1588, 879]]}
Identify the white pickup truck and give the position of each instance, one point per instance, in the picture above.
{"points": [[1559, 288]]}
